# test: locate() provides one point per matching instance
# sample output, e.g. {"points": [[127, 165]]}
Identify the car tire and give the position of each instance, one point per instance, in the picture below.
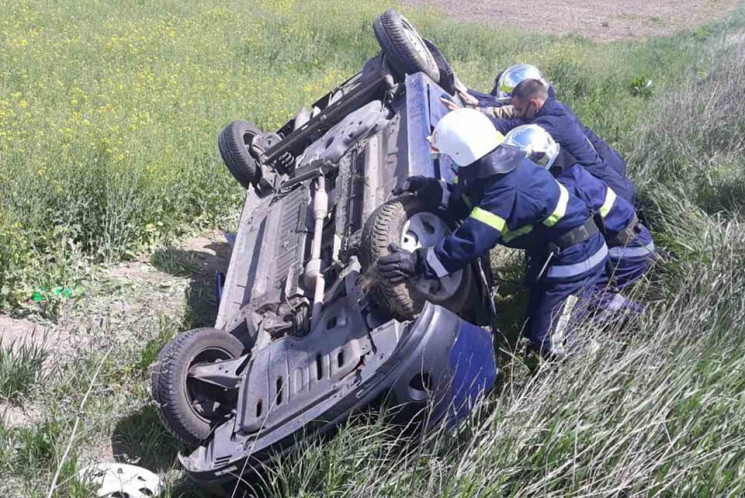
{"points": [[404, 301], [403, 47], [234, 143], [175, 393]]}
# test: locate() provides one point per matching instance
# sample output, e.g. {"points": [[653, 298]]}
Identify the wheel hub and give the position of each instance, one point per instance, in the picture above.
{"points": [[425, 230], [207, 401]]}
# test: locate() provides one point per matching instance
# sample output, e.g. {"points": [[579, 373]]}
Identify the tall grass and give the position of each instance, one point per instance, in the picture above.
{"points": [[694, 141], [20, 368], [654, 409]]}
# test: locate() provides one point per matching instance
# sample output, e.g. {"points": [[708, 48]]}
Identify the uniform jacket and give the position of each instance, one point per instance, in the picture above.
{"points": [[559, 121], [525, 208], [617, 213]]}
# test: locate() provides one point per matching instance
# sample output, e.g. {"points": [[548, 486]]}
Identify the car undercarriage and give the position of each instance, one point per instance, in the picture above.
{"points": [[306, 332]]}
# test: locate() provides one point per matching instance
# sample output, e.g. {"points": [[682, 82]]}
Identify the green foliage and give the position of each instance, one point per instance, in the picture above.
{"points": [[20, 369], [15, 256], [36, 447], [641, 87], [694, 141], [149, 353]]}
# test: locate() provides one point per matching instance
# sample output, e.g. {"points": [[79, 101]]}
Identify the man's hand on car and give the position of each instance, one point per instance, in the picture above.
{"points": [[450, 104], [468, 99], [401, 265], [429, 190]]}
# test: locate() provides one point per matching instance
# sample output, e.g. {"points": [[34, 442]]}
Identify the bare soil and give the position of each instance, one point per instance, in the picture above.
{"points": [[601, 20]]}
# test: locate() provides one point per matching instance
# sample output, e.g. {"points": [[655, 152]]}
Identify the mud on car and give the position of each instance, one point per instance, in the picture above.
{"points": [[305, 333]]}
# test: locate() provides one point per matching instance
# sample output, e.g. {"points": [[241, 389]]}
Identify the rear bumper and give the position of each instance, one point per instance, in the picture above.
{"points": [[439, 362]]}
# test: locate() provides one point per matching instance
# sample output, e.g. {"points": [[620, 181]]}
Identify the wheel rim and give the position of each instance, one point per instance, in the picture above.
{"points": [[248, 143], [425, 230], [208, 402], [419, 46]]}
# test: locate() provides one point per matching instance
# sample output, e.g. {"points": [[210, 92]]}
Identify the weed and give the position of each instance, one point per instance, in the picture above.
{"points": [[20, 368], [149, 353], [38, 446], [641, 87]]}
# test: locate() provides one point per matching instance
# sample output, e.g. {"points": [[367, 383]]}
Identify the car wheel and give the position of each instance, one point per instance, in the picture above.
{"points": [[407, 223], [403, 46], [187, 407], [235, 142]]}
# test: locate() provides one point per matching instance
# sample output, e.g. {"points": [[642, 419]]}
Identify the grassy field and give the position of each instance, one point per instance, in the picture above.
{"points": [[108, 120]]}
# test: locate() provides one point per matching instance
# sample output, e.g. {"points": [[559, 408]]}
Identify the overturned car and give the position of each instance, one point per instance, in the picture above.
{"points": [[305, 332]]}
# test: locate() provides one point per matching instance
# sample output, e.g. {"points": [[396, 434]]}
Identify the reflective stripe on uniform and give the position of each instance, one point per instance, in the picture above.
{"points": [[498, 223], [560, 209], [487, 218], [566, 271], [558, 334], [445, 202], [617, 253], [509, 235], [434, 263], [610, 198]]}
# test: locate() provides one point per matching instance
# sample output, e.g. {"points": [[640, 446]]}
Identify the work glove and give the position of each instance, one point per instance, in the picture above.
{"points": [[428, 190], [401, 265]]}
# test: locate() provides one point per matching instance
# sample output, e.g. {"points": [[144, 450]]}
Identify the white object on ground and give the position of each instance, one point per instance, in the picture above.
{"points": [[121, 480]]}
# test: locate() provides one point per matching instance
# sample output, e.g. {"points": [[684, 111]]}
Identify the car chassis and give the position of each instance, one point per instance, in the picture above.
{"points": [[313, 339]]}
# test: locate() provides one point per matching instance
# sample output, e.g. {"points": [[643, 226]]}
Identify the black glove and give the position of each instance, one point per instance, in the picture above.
{"points": [[427, 189], [400, 265]]}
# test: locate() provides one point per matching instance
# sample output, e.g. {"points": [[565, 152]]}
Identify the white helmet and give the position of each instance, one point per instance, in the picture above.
{"points": [[539, 145], [465, 135], [513, 76]]}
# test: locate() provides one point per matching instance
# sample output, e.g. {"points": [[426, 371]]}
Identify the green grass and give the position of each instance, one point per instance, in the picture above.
{"points": [[20, 369], [108, 119]]}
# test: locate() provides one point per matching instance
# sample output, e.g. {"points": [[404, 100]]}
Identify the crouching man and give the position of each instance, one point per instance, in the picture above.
{"points": [[502, 197], [631, 249]]}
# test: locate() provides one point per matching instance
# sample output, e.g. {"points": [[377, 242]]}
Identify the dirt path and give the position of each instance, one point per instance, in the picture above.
{"points": [[603, 20]]}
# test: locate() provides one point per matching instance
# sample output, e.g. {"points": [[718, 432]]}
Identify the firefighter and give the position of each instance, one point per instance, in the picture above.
{"points": [[631, 248], [558, 117], [502, 197]]}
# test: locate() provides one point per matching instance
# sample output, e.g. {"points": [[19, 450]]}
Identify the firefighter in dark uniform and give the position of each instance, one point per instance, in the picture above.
{"points": [[502, 197], [579, 142], [631, 248]]}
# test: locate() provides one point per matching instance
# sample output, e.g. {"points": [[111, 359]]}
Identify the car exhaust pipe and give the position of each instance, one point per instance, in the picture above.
{"points": [[313, 275]]}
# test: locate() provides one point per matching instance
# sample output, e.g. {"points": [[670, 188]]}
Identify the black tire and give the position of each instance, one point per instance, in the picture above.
{"points": [[234, 142], [395, 33], [173, 391], [385, 227]]}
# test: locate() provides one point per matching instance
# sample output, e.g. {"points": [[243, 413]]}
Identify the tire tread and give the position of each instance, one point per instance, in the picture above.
{"points": [[166, 389]]}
